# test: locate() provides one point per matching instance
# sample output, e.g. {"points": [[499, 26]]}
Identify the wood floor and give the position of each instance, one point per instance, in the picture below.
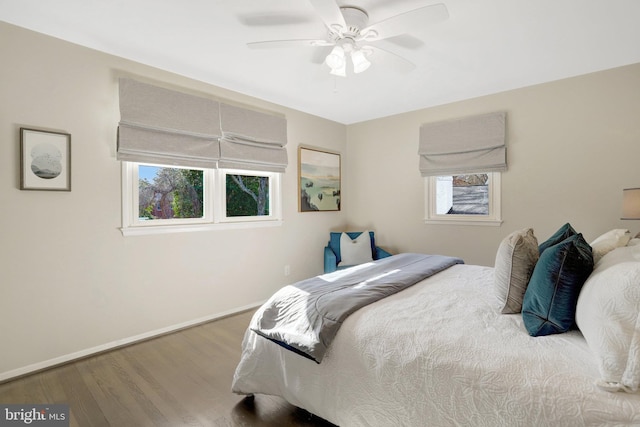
{"points": [[181, 379]]}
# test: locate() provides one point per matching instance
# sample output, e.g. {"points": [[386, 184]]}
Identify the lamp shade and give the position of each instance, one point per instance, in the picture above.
{"points": [[360, 61], [339, 71], [631, 203], [336, 60]]}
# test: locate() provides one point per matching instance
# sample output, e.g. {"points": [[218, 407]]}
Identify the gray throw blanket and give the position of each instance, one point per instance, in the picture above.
{"points": [[305, 317]]}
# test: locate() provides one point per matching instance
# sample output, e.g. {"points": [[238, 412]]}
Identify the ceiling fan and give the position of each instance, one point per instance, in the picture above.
{"points": [[350, 35]]}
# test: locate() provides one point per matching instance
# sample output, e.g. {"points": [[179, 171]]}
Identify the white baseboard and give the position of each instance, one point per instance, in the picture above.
{"points": [[35, 367]]}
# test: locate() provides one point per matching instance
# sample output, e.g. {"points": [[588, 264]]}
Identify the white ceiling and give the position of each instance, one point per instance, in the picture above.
{"points": [[483, 47]]}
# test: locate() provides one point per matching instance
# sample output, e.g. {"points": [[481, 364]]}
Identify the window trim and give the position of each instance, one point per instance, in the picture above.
{"points": [[494, 218], [214, 218]]}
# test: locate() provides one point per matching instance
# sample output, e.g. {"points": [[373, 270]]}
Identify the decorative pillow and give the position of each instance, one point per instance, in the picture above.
{"points": [[629, 253], [608, 242], [515, 259], [562, 233], [549, 304], [334, 241], [355, 251], [634, 242], [608, 314]]}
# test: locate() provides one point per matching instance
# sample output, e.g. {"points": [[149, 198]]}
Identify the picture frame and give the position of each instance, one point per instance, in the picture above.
{"points": [[319, 180], [45, 160]]}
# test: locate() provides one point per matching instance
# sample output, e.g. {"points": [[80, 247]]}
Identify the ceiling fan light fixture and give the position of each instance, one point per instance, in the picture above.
{"points": [[360, 61], [340, 71], [336, 60], [350, 34]]}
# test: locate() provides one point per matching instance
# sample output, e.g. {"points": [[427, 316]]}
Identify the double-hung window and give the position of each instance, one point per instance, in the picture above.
{"points": [[461, 161], [192, 163]]}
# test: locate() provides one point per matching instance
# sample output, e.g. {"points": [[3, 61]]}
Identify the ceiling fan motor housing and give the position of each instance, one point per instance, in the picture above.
{"points": [[356, 19]]}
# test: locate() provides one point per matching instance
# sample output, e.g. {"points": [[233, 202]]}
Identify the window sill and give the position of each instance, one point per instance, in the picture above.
{"points": [[185, 228], [464, 221]]}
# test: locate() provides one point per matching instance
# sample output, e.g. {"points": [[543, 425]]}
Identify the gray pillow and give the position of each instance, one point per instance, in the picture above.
{"points": [[516, 257]]}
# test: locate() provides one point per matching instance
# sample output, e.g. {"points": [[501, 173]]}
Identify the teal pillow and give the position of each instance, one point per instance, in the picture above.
{"points": [[549, 304], [562, 233]]}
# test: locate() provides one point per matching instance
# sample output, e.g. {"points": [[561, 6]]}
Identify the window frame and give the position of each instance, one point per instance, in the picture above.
{"points": [[494, 218], [220, 208], [214, 204]]}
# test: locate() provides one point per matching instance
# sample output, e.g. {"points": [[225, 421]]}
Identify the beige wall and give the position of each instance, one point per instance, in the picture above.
{"points": [[69, 281], [573, 145]]}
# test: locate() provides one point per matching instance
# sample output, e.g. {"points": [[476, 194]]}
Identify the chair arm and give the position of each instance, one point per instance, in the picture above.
{"points": [[330, 260], [381, 253]]}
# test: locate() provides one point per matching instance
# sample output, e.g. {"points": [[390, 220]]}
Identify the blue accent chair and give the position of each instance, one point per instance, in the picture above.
{"points": [[332, 250]]}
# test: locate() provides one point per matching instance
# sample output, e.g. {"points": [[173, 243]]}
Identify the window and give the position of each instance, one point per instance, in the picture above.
{"points": [[226, 160], [160, 198], [247, 195], [463, 199], [461, 160], [169, 193]]}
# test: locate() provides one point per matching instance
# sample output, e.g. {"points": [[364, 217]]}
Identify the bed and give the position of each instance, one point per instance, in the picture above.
{"points": [[443, 352]]}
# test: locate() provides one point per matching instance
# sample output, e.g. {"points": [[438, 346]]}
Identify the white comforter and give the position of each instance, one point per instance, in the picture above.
{"points": [[440, 354]]}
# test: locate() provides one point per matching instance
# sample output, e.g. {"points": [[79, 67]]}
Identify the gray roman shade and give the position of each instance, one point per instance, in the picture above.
{"points": [[252, 140], [159, 125], [467, 145]]}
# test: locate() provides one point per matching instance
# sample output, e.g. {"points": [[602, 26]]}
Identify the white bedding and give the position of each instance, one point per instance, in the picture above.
{"points": [[440, 354]]}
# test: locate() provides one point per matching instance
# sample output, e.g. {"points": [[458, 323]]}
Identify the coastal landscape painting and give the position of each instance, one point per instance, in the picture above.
{"points": [[319, 180]]}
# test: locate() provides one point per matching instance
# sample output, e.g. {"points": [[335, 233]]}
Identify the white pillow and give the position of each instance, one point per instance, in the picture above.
{"points": [[516, 257], [634, 242], [608, 314], [608, 242], [356, 251]]}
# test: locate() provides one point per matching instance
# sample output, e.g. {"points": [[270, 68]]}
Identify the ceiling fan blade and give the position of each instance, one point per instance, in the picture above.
{"points": [[329, 12], [405, 22], [320, 54], [274, 44], [266, 19], [400, 62], [406, 41]]}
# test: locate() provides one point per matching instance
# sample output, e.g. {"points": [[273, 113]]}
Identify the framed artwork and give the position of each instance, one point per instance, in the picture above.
{"points": [[318, 180], [45, 160]]}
